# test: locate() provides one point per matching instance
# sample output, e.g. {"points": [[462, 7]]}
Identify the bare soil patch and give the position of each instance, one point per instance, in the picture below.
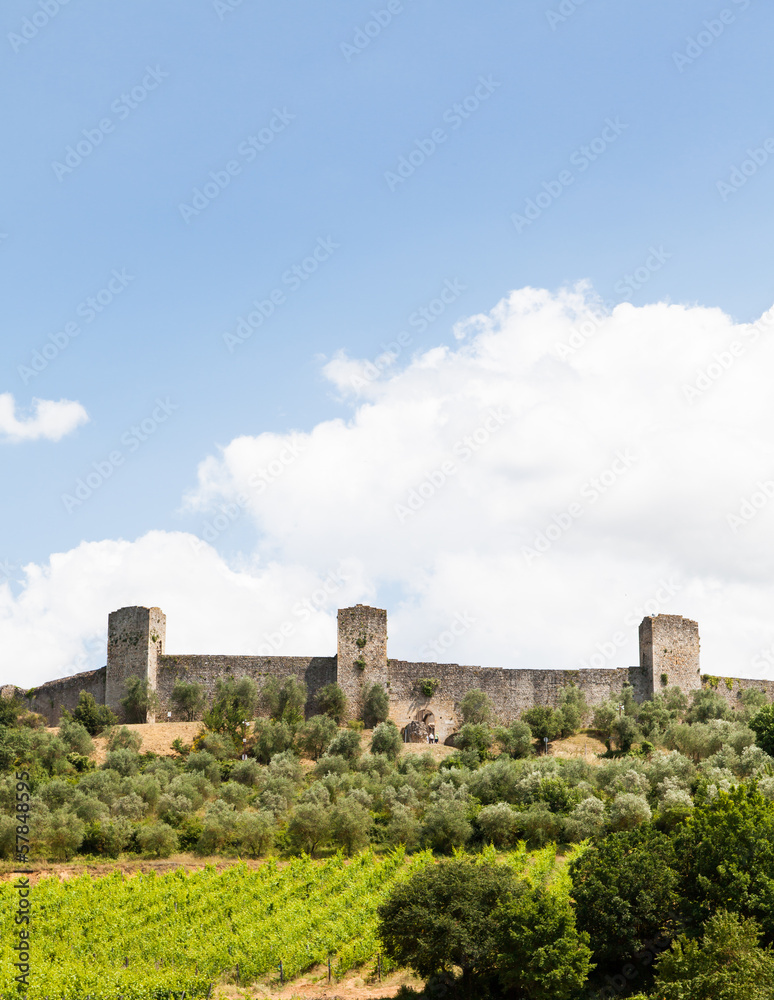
{"points": [[313, 985], [584, 745]]}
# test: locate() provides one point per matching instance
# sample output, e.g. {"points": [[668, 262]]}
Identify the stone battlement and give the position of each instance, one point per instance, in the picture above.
{"points": [[669, 655]]}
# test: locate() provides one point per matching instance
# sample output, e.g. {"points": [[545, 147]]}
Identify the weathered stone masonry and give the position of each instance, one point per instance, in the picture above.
{"points": [[669, 655]]}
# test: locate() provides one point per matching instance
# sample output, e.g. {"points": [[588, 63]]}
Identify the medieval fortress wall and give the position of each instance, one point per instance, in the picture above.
{"points": [[669, 655]]}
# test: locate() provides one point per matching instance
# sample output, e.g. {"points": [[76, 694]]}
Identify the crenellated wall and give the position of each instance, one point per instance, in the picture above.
{"points": [[669, 655]]}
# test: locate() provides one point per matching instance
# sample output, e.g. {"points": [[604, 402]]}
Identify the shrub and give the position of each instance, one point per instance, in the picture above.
{"points": [[628, 810], [474, 737], [514, 740], [7, 836], [543, 722], [497, 824], [285, 701], [625, 731], [125, 762], [315, 735], [346, 745], [332, 701], [271, 738], [234, 704], [62, 834], [428, 686], [538, 824], [255, 832], [350, 824], [376, 705], [76, 737], [93, 717], [123, 739], [246, 772], [189, 699], [446, 826], [387, 740], [402, 828], [707, 704], [139, 700], [476, 707], [586, 821], [762, 724], [157, 838], [309, 826]]}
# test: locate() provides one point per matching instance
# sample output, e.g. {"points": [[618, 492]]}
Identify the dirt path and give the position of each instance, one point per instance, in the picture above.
{"points": [[314, 986]]}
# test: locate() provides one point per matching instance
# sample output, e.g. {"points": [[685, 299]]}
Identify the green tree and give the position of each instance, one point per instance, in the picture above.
{"points": [[332, 701], [707, 704], [572, 710], [62, 834], [315, 735], [158, 839], [93, 717], [309, 826], [441, 919], [475, 736], [476, 707], [605, 716], [625, 890], [625, 731], [122, 739], [376, 705], [446, 825], [346, 745], [234, 705], [497, 824], [387, 740], [726, 852], [543, 722], [514, 740], [270, 738], [76, 738], [10, 709], [762, 724], [255, 832], [351, 824], [285, 700], [189, 699], [542, 955], [726, 964], [139, 699]]}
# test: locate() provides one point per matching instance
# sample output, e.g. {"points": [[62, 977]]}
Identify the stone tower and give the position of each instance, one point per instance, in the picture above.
{"points": [[669, 653], [362, 653], [136, 638]]}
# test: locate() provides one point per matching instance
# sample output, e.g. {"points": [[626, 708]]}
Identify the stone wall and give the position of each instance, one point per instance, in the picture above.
{"points": [[314, 671], [731, 688], [52, 697], [362, 653], [669, 652], [511, 691], [136, 639]]}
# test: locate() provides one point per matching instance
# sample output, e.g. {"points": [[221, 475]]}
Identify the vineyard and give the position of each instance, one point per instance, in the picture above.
{"points": [[164, 937], [150, 937]]}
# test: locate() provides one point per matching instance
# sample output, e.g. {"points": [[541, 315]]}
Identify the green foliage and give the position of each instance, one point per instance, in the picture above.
{"points": [[234, 705], [428, 686], [189, 699], [61, 835], [93, 717], [543, 722], [271, 738], [605, 717], [387, 740], [441, 919], [477, 918], [624, 732], [476, 737], [121, 739], [350, 824], [139, 699], [309, 826], [497, 824], [726, 964], [346, 745], [446, 826], [158, 839], [285, 701], [514, 740], [628, 810], [572, 710], [660, 711], [76, 738], [625, 890], [332, 701], [726, 852], [707, 704], [541, 953], [315, 735], [762, 724], [476, 707], [10, 709], [376, 705]]}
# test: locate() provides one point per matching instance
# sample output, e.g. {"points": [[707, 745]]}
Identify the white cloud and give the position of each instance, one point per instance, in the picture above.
{"points": [[50, 419], [547, 423]]}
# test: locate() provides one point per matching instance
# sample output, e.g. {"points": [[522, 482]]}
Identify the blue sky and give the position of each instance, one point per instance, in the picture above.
{"points": [[639, 127]]}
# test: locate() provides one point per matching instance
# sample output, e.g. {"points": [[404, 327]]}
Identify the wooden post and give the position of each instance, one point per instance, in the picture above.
{"points": [[237, 967], [329, 970], [282, 974], [379, 966]]}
